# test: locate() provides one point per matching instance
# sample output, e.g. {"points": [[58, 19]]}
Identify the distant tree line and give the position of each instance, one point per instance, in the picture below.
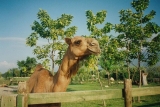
{"points": [[25, 68]]}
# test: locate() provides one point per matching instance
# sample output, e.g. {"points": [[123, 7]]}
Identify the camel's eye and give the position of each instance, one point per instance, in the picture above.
{"points": [[77, 42]]}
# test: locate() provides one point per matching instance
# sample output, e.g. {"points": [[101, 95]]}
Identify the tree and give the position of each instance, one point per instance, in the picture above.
{"points": [[83, 74], [8, 74], [53, 31], [110, 55], [98, 33], [26, 66], [15, 72], [92, 21], [136, 30]]}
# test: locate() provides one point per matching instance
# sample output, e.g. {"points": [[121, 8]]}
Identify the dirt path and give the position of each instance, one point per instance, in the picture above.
{"points": [[8, 90]]}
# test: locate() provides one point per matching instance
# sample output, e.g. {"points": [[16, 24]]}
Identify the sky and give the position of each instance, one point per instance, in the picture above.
{"points": [[17, 16]]}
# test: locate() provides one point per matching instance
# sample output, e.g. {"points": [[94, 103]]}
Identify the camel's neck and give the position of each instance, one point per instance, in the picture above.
{"points": [[68, 67]]}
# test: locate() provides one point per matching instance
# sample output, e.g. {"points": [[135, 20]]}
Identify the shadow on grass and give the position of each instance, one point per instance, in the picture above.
{"points": [[151, 105]]}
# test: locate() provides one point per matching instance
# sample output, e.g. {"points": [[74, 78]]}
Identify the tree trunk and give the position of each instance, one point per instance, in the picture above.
{"points": [[108, 78], [140, 79], [144, 78], [128, 62], [128, 70], [52, 57], [133, 75], [116, 75], [52, 67]]}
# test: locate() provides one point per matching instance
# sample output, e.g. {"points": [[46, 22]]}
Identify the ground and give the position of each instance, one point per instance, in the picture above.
{"points": [[146, 101], [7, 90]]}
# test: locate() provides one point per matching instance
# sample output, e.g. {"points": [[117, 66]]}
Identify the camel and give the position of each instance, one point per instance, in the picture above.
{"points": [[42, 81]]}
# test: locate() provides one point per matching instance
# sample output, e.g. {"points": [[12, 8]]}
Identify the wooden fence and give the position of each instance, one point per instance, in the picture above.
{"points": [[23, 99], [16, 80]]}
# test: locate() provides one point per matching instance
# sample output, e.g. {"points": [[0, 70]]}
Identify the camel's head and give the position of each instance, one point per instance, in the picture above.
{"points": [[81, 46]]}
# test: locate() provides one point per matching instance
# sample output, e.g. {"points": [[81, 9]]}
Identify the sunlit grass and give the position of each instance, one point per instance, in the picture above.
{"points": [[146, 101]]}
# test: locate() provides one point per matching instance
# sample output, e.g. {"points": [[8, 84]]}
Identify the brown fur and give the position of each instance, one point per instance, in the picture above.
{"points": [[43, 81]]}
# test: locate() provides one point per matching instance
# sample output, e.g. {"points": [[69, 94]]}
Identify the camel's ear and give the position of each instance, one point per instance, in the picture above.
{"points": [[68, 40]]}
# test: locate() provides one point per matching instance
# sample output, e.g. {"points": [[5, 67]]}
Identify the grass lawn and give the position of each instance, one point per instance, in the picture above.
{"points": [[146, 101]]}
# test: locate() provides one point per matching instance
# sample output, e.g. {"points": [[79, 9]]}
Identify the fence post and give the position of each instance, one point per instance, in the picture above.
{"points": [[128, 92], [22, 98]]}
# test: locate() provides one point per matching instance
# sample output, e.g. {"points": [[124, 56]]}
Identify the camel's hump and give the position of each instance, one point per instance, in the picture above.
{"points": [[38, 67]]}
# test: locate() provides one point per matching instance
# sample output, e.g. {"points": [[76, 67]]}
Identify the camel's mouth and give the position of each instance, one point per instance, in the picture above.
{"points": [[93, 46], [93, 51]]}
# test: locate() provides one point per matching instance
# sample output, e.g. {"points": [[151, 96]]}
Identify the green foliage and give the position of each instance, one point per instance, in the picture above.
{"points": [[154, 51], [94, 20], [83, 74], [110, 56], [136, 30], [26, 66], [140, 5], [14, 72], [53, 31], [109, 46], [153, 72], [91, 63]]}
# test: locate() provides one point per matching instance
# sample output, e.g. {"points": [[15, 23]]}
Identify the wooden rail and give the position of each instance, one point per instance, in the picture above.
{"points": [[23, 99], [74, 96], [145, 91], [18, 79]]}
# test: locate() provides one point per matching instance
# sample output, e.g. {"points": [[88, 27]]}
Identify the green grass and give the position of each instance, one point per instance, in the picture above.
{"points": [[83, 87], [98, 103], [146, 101]]}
